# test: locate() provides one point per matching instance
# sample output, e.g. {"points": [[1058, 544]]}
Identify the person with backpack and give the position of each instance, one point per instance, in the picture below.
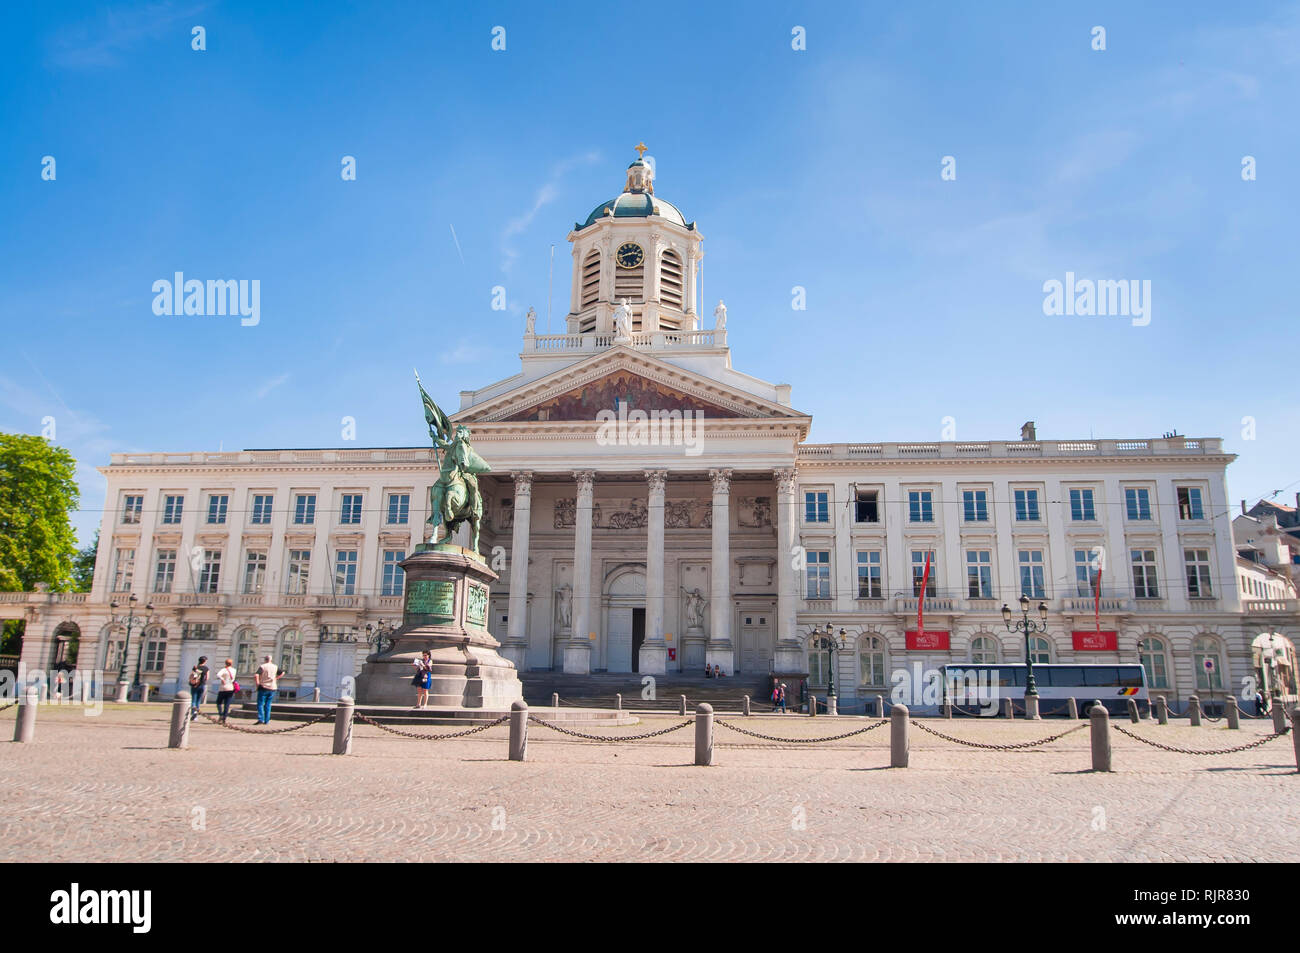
{"points": [[782, 702], [268, 683], [198, 685], [226, 688], [776, 696]]}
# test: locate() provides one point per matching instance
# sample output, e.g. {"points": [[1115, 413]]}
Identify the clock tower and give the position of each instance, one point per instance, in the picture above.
{"points": [[637, 247]]}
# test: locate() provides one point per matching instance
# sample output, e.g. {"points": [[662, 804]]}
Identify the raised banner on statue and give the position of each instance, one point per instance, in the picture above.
{"points": [[1090, 641], [931, 640]]}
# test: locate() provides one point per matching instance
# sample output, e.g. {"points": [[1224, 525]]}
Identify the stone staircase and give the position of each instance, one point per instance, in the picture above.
{"points": [[598, 690]]}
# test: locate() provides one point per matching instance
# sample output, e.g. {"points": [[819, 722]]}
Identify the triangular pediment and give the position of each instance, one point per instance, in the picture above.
{"points": [[622, 377]]}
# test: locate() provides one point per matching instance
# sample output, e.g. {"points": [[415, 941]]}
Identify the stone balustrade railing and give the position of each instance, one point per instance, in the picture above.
{"points": [[1169, 446]]}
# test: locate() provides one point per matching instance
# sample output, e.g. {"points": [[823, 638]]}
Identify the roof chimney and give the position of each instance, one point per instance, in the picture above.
{"points": [[1243, 507], [1028, 431]]}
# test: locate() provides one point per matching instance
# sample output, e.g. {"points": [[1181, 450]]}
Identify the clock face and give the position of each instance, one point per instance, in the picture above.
{"points": [[629, 255]]}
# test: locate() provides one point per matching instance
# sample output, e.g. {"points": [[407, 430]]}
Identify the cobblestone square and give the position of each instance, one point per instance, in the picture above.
{"points": [[107, 788]]}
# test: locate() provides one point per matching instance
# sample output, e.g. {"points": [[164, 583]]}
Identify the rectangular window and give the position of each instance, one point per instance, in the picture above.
{"points": [[1081, 508], [918, 573], [155, 654], [869, 582], [920, 506], [165, 571], [262, 508], [819, 575], [299, 571], [350, 512], [1026, 506], [866, 506], [172, 507], [217, 504], [123, 570], [816, 507], [1189, 503], [254, 571], [975, 506], [393, 575], [1137, 503], [1032, 581], [1086, 570], [304, 509], [1198, 573], [345, 572], [1145, 585], [399, 508], [979, 574], [200, 631], [131, 508], [210, 575]]}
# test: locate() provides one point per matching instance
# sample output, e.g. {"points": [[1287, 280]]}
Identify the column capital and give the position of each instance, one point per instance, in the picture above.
{"points": [[787, 479], [721, 480], [655, 480], [586, 480], [523, 482]]}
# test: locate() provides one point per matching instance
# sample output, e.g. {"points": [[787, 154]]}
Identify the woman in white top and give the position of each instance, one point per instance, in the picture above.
{"points": [[225, 689]]}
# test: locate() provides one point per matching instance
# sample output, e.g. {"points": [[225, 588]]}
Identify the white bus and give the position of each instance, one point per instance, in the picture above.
{"points": [[981, 688]]}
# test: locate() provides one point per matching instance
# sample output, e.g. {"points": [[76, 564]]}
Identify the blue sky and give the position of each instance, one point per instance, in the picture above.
{"points": [[818, 168]]}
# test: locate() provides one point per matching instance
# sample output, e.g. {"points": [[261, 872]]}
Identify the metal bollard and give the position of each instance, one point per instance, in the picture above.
{"points": [[682, 709], [315, 697], [744, 705], [618, 702], [1100, 719], [899, 750], [555, 699], [144, 694], [1073, 704], [704, 734], [1162, 709], [880, 706], [180, 733], [812, 705], [519, 731], [1007, 708], [1133, 715], [343, 725], [1031, 708], [123, 689], [1194, 711], [25, 723], [947, 709], [1233, 712], [1279, 717]]}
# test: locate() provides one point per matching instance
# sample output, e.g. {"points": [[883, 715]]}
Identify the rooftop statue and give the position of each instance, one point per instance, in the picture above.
{"points": [[455, 497]]}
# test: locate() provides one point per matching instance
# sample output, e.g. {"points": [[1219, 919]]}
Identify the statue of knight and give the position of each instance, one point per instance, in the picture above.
{"points": [[455, 498]]}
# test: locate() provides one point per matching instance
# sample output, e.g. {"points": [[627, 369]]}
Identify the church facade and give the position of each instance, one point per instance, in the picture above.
{"points": [[652, 509]]}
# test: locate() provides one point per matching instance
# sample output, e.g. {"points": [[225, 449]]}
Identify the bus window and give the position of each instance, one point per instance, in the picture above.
{"points": [[1101, 676], [1130, 678]]}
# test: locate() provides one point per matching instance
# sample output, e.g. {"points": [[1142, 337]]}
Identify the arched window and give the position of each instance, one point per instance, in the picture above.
{"points": [[67, 642], [589, 292], [1209, 677], [670, 280], [984, 650], [289, 652], [1040, 650], [873, 661], [1151, 651], [155, 650], [246, 652]]}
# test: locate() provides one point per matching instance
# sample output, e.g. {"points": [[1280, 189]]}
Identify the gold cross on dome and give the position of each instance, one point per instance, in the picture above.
{"points": [[640, 148]]}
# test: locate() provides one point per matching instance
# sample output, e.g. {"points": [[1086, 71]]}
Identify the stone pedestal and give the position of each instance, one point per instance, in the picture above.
{"points": [[693, 643], [719, 654], [445, 611], [653, 659], [788, 657]]}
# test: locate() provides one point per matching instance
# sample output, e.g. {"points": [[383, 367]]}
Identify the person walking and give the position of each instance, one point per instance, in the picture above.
{"points": [[423, 679], [1261, 709], [226, 688], [782, 702], [268, 683], [198, 685]]}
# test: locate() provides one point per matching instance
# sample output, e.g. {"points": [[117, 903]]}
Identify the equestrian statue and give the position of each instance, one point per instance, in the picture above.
{"points": [[455, 497]]}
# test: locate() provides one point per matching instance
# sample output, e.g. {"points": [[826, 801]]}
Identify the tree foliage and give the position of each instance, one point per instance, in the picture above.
{"points": [[83, 566], [38, 490]]}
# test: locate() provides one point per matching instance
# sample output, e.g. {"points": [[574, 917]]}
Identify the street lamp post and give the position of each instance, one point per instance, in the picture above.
{"points": [[124, 686], [1028, 627], [828, 643]]}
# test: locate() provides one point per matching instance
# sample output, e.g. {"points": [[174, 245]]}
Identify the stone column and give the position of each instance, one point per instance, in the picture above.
{"points": [[577, 654], [789, 653], [516, 643], [654, 650], [719, 650]]}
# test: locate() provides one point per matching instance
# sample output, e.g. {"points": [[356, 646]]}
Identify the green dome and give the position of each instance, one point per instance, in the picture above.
{"points": [[636, 205]]}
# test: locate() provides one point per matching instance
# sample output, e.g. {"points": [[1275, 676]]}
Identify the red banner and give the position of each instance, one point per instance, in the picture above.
{"points": [[1099, 641], [931, 640]]}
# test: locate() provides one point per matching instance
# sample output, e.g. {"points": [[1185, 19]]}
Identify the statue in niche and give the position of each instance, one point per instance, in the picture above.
{"points": [[564, 606], [695, 603]]}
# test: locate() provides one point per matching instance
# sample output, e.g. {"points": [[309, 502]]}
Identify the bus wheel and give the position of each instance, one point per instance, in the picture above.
{"points": [[1085, 709]]}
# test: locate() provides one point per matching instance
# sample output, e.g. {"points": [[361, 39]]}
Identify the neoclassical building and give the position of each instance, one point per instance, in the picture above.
{"points": [[652, 509]]}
